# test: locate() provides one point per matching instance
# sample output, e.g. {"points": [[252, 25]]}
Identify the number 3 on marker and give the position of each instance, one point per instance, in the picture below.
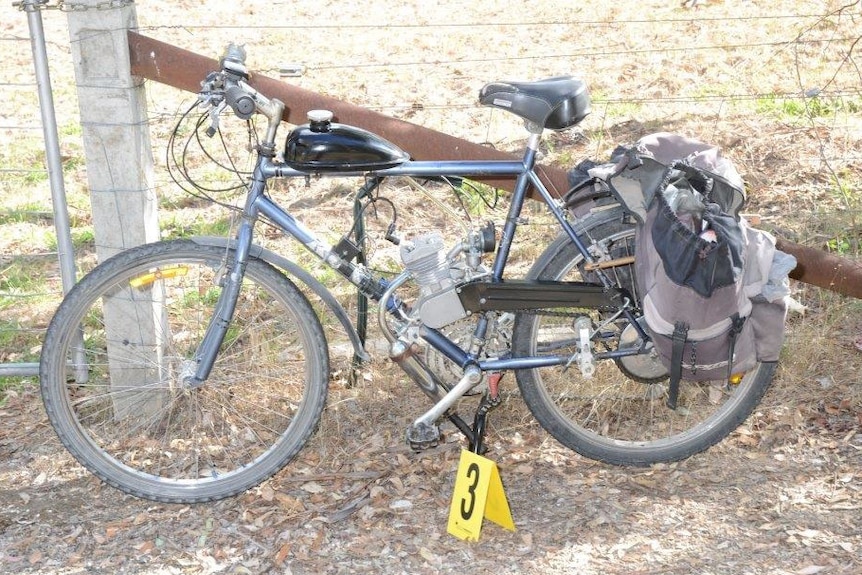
{"points": [[478, 494], [467, 511]]}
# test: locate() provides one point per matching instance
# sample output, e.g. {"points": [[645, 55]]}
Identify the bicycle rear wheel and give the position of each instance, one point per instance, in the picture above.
{"points": [[619, 415], [117, 353]]}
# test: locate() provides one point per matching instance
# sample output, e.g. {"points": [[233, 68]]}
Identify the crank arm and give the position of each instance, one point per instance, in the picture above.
{"points": [[424, 430]]}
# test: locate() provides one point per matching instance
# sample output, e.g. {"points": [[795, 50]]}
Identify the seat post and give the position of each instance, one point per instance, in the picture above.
{"points": [[533, 142]]}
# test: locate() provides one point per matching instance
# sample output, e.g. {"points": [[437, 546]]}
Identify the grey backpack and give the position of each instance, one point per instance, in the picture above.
{"points": [[701, 270]]}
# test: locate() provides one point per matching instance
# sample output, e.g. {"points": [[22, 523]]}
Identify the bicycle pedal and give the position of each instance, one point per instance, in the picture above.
{"points": [[423, 436]]}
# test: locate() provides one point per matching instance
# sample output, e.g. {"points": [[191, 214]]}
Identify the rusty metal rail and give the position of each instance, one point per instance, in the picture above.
{"points": [[183, 69], [822, 269]]}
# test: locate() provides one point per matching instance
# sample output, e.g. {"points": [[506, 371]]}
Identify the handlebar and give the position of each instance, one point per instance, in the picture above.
{"points": [[229, 87]]}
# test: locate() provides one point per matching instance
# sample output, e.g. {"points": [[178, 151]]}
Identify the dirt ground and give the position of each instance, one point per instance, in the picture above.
{"points": [[781, 496]]}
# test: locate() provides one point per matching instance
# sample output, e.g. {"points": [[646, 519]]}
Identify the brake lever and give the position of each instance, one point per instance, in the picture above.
{"points": [[211, 97], [214, 112]]}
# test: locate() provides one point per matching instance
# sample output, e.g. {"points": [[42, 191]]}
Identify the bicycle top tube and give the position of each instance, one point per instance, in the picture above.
{"points": [[424, 168], [521, 171]]}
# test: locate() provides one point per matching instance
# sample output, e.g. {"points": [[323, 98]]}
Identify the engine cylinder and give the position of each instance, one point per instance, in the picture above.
{"points": [[425, 257]]}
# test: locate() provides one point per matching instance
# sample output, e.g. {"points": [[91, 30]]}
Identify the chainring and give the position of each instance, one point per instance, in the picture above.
{"points": [[460, 332]]}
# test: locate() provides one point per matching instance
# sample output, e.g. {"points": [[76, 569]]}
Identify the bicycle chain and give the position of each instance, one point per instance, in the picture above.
{"points": [[545, 312], [557, 313]]}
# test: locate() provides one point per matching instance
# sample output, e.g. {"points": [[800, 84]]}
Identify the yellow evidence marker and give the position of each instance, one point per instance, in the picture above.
{"points": [[478, 493]]}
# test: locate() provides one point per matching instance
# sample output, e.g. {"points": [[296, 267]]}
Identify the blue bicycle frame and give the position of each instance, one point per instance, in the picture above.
{"points": [[259, 204]]}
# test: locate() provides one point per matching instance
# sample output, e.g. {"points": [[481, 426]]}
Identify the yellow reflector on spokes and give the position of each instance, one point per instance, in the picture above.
{"points": [[161, 273]]}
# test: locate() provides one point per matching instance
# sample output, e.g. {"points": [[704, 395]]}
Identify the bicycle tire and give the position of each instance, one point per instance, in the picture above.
{"points": [[119, 402], [619, 415]]}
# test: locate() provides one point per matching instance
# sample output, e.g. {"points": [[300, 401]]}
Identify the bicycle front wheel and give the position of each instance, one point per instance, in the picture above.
{"points": [[118, 353], [619, 415]]}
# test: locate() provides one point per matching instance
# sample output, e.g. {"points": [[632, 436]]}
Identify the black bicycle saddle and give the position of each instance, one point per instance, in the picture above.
{"points": [[553, 104]]}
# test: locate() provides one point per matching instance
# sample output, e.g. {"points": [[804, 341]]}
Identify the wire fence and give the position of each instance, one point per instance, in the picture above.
{"points": [[706, 72], [26, 261]]}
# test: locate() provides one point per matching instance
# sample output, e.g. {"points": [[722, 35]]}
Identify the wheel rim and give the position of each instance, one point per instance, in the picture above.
{"points": [[613, 413], [153, 432]]}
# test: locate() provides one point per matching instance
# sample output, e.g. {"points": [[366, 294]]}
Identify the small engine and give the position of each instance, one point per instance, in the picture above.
{"points": [[439, 273]]}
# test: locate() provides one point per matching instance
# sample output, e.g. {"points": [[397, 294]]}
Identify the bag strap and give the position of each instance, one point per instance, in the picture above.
{"points": [[679, 337], [735, 329]]}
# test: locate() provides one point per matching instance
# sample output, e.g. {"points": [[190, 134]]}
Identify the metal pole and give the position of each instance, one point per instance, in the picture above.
{"points": [[19, 369], [66, 253], [65, 250]]}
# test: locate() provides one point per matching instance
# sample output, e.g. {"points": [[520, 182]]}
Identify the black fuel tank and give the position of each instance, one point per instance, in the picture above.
{"points": [[324, 146]]}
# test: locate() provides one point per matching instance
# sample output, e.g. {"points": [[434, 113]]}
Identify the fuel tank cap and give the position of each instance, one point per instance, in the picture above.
{"points": [[319, 120]]}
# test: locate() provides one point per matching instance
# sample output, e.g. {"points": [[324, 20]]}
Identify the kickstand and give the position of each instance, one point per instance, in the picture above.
{"points": [[490, 400], [477, 445]]}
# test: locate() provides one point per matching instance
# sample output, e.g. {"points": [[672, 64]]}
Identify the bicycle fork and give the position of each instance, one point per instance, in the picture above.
{"points": [[230, 282]]}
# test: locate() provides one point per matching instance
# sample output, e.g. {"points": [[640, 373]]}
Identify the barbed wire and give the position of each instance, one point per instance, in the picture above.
{"points": [[829, 163], [587, 53], [493, 24], [800, 39], [66, 6]]}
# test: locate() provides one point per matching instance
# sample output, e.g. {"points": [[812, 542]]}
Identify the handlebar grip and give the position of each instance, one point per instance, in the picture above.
{"points": [[240, 102]]}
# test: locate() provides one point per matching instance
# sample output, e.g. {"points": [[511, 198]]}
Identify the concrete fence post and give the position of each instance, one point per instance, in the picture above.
{"points": [[114, 124], [124, 205]]}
